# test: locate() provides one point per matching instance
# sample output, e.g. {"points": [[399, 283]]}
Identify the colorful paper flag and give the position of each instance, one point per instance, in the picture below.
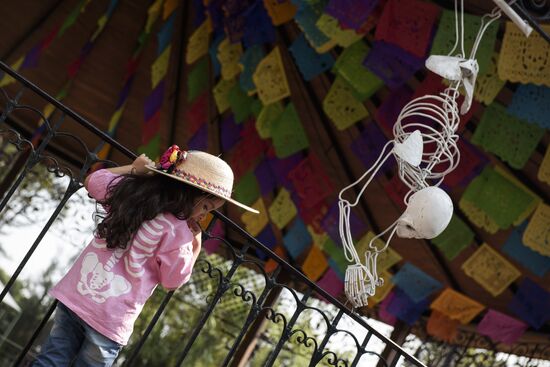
{"points": [[315, 263], [442, 327], [280, 11], [331, 28], [501, 328], [457, 306], [516, 250], [531, 103], [282, 209], [415, 283], [270, 78], [197, 45], [255, 223], [310, 181], [544, 169], [537, 234], [309, 62], [341, 106], [297, 239], [489, 85], [288, 134], [229, 55], [455, 238], [531, 303]]}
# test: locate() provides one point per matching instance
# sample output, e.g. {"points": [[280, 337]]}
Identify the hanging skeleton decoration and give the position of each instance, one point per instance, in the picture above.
{"points": [[425, 148]]}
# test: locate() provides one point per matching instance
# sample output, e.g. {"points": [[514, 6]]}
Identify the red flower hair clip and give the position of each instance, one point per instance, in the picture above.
{"points": [[171, 158]]}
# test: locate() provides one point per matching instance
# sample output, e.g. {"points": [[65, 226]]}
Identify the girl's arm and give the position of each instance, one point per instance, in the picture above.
{"points": [[137, 167]]}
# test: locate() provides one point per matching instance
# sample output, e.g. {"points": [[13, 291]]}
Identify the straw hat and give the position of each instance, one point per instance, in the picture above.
{"points": [[200, 169]]}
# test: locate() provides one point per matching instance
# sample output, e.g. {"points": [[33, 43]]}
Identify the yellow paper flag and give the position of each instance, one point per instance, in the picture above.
{"points": [[152, 15], [491, 270], [342, 107], [267, 117], [282, 210], [385, 260], [255, 223], [319, 239], [6, 79], [457, 306], [383, 291], [229, 55], [544, 169], [478, 216], [220, 92], [160, 67], [331, 28], [524, 60], [315, 263], [270, 78], [280, 11], [537, 234], [197, 46], [169, 7], [488, 85]]}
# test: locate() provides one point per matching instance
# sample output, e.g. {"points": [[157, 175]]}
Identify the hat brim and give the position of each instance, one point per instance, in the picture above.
{"points": [[232, 201]]}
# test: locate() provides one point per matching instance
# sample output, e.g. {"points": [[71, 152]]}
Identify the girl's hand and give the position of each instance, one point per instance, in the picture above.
{"points": [[138, 166]]}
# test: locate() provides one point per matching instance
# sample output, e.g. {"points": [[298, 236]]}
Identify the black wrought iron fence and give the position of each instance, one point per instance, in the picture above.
{"points": [[326, 327]]}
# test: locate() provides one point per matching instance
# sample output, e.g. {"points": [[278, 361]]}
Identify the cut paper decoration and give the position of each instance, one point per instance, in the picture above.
{"points": [[488, 84], [220, 92], [389, 110], [154, 101], [268, 239], [457, 306], [544, 169], [529, 259], [280, 11], [330, 27], [455, 238], [352, 13], [318, 238], [349, 66], [444, 39], [197, 113], [537, 234], [501, 199], [230, 133], [383, 313], [197, 80], [288, 135], [247, 151], [306, 18], [392, 64], [531, 103], [383, 291], [258, 28], [282, 209], [199, 141], [247, 189], [510, 138], [385, 260], [197, 45], [213, 54], [281, 168], [255, 223], [404, 308], [341, 106], [165, 35], [268, 116], [314, 216], [330, 224], [310, 181], [297, 239], [229, 55], [396, 191], [265, 177], [169, 7], [531, 303], [408, 24], [501, 328], [152, 148], [477, 216], [369, 144], [240, 103], [249, 61], [524, 60], [211, 245], [331, 283], [442, 327], [535, 199], [315, 263], [415, 283], [270, 78], [337, 260], [6, 78], [472, 162], [271, 264], [160, 67], [491, 270], [309, 62]]}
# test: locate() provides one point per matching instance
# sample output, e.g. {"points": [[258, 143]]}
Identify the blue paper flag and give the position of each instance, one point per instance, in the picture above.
{"points": [[281, 168], [154, 101], [258, 27], [415, 283], [297, 239], [368, 146], [530, 259], [532, 103], [165, 34], [306, 18], [268, 239], [230, 133], [531, 303], [249, 60], [199, 12], [404, 308], [308, 60], [199, 141], [265, 177], [213, 52]]}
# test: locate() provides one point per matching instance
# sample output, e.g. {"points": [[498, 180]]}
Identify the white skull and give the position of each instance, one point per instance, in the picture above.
{"points": [[428, 213]]}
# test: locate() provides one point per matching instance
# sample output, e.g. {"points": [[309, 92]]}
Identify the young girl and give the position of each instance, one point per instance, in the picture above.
{"points": [[148, 236]]}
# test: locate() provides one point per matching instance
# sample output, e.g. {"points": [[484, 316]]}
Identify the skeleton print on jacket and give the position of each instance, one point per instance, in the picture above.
{"points": [[107, 288]]}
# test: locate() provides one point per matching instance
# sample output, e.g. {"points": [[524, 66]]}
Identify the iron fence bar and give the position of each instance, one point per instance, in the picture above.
{"points": [[37, 332], [318, 354], [222, 288], [396, 358], [361, 351]]}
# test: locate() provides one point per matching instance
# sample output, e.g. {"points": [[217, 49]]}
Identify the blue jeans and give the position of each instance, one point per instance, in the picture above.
{"points": [[72, 341]]}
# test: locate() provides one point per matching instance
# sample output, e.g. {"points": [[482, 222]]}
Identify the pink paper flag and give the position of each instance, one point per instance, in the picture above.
{"points": [[501, 328]]}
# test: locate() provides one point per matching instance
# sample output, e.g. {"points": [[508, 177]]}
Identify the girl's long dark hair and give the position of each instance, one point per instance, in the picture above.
{"points": [[133, 199]]}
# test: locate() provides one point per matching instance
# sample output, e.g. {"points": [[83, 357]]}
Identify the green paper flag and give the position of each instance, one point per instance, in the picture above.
{"points": [[267, 117], [240, 103], [287, 133], [152, 148], [456, 237], [197, 81], [336, 254], [247, 190]]}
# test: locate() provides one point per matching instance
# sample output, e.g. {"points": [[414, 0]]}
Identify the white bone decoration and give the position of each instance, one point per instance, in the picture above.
{"points": [[429, 121]]}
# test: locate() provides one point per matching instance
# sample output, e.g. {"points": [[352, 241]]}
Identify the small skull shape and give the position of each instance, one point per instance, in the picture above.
{"points": [[428, 213]]}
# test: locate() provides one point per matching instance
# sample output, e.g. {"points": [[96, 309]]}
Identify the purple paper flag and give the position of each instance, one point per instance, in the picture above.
{"points": [[330, 224], [31, 58], [215, 11], [199, 12], [415, 283], [530, 259], [331, 283], [211, 245], [501, 328], [199, 141], [383, 313], [230, 133], [268, 239], [165, 34], [297, 239], [404, 308], [351, 13], [154, 101], [392, 64], [391, 107], [368, 146], [124, 92], [265, 177], [258, 26], [309, 62], [281, 168], [531, 303]]}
